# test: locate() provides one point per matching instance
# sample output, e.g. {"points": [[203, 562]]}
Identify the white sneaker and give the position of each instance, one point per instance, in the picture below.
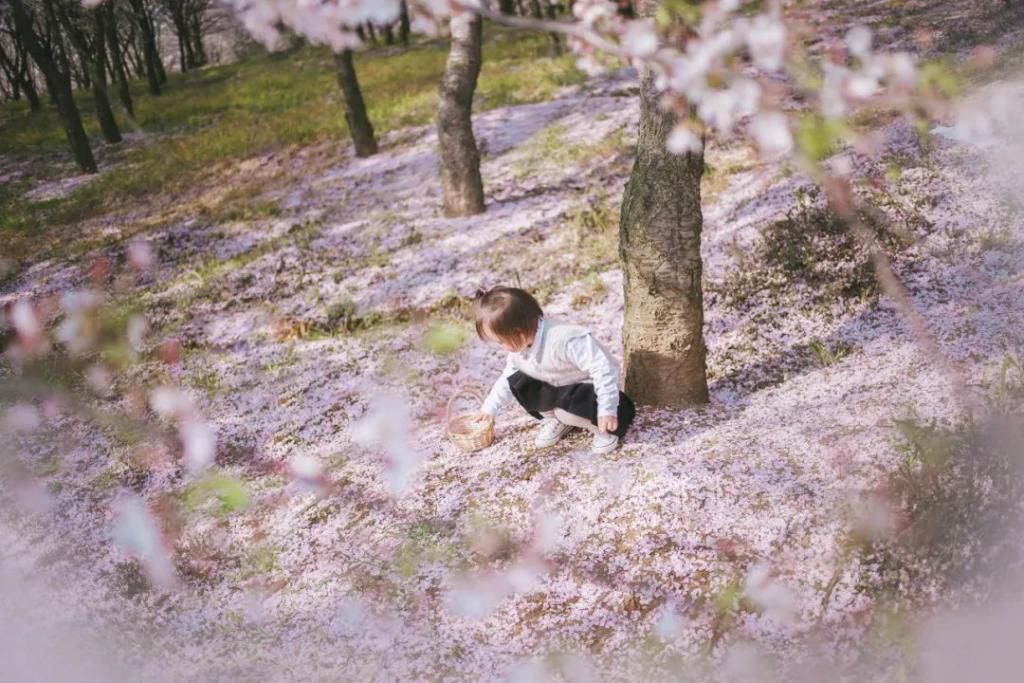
{"points": [[551, 431], [604, 442]]}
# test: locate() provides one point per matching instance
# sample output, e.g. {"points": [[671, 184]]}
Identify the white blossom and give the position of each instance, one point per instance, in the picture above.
{"points": [[683, 140], [640, 38], [858, 40], [136, 531], [768, 593], [100, 379], [386, 426], [25, 321], [140, 255], [199, 444], [21, 417], [766, 39], [137, 328], [771, 132], [169, 401]]}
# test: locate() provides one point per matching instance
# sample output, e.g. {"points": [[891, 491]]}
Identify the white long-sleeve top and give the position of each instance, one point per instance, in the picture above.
{"points": [[585, 353]]}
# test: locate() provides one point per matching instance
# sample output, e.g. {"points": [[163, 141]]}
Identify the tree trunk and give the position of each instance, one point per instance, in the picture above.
{"points": [[403, 24], [554, 41], [460, 160], [359, 125], [183, 60], [117, 59], [198, 51], [31, 94], [108, 124], [659, 243], [149, 53], [60, 87], [507, 6], [389, 35]]}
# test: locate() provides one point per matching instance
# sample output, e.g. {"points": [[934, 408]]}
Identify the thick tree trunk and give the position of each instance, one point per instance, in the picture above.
{"points": [[117, 59], [359, 125], [60, 87], [659, 242], [460, 159], [108, 124]]}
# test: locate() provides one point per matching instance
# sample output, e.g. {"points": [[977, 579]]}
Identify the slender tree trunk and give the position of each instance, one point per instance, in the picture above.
{"points": [[403, 24], [61, 88], [389, 35], [29, 88], [182, 59], [460, 159], [373, 33], [554, 41], [659, 242], [198, 51], [108, 124], [149, 51], [117, 59], [359, 125], [507, 6]]}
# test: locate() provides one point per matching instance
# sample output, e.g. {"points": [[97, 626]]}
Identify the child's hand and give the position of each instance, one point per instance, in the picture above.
{"points": [[608, 423]]}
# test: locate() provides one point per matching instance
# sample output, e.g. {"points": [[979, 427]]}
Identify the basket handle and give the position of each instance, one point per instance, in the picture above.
{"points": [[466, 391]]}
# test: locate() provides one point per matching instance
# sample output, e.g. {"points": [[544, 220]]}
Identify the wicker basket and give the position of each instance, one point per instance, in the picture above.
{"points": [[464, 429]]}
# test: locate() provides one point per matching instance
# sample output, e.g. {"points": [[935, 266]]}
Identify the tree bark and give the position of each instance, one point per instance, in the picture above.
{"points": [[198, 50], [108, 124], [117, 65], [460, 159], [403, 24], [507, 6], [60, 87], [359, 125], [150, 56], [554, 41], [659, 243]]}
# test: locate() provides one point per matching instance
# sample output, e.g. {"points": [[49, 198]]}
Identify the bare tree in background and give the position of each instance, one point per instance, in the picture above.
{"points": [[554, 40], [188, 17], [359, 125], [85, 30], [143, 17], [15, 63], [27, 21], [460, 158], [115, 50]]}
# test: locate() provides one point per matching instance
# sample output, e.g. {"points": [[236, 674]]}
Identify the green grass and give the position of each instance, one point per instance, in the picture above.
{"points": [[237, 111]]}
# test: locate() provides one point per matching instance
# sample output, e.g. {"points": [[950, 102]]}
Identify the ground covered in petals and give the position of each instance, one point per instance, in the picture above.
{"points": [[715, 538]]}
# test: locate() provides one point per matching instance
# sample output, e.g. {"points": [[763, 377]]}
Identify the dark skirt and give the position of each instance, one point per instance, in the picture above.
{"points": [[579, 399]]}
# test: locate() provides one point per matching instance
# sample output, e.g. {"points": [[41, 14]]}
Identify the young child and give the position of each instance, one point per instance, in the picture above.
{"points": [[556, 370]]}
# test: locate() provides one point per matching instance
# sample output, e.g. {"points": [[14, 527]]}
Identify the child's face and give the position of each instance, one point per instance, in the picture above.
{"points": [[510, 345]]}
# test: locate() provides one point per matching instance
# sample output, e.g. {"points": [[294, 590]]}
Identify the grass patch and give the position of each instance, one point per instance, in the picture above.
{"points": [[958, 491], [266, 103], [550, 147], [811, 249]]}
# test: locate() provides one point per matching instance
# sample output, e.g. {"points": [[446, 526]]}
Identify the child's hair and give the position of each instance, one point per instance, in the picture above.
{"points": [[506, 312]]}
